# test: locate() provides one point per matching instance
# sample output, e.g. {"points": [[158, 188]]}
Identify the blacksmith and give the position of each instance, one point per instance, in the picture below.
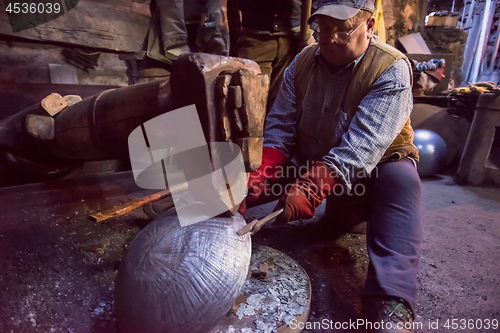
{"points": [[343, 110]]}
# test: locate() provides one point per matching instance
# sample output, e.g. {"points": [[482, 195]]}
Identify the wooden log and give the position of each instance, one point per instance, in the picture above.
{"points": [[98, 127], [95, 128], [15, 97]]}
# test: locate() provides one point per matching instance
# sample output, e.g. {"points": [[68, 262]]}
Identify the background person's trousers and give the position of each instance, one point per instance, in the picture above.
{"points": [[273, 54]]}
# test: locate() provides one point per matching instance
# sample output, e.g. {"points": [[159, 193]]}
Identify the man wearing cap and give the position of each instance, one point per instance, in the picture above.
{"points": [[341, 121]]}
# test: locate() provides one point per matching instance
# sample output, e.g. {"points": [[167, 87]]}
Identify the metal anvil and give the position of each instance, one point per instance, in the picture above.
{"points": [[230, 95]]}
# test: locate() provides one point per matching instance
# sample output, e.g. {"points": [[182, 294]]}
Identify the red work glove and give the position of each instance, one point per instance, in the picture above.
{"points": [[304, 196], [260, 181]]}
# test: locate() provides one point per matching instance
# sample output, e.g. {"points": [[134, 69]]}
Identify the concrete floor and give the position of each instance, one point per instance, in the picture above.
{"points": [[57, 268]]}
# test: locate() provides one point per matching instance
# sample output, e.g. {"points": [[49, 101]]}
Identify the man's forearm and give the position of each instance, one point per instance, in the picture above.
{"points": [[281, 124]]}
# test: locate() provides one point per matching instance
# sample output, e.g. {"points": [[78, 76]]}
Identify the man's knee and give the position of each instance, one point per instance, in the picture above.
{"points": [[397, 176]]}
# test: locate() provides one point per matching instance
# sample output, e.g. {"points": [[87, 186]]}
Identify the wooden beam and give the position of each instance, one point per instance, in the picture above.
{"points": [[111, 25]]}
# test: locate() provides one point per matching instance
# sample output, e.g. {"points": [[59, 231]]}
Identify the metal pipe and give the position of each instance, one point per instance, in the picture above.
{"points": [[471, 11], [452, 7], [463, 15], [481, 44], [491, 16], [470, 47], [495, 52]]}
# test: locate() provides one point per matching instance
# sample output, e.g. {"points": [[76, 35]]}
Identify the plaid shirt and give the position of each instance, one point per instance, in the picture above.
{"points": [[324, 132]]}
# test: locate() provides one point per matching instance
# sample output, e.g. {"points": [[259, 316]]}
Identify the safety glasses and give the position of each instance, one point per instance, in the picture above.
{"points": [[342, 38]]}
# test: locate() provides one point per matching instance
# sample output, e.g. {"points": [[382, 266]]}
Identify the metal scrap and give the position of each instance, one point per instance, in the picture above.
{"points": [[280, 298]]}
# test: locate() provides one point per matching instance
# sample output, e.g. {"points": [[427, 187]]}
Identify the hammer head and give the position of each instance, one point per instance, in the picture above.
{"points": [[230, 95]]}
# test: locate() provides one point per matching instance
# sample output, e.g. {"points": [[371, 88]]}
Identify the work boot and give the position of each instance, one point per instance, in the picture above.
{"points": [[386, 315]]}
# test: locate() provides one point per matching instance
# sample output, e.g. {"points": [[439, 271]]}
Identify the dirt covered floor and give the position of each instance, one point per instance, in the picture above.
{"points": [[57, 268]]}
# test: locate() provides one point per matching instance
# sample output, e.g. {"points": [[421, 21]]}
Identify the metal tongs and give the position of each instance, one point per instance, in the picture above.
{"points": [[255, 225]]}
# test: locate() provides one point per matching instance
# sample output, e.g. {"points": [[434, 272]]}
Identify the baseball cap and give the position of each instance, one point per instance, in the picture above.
{"points": [[342, 9]]}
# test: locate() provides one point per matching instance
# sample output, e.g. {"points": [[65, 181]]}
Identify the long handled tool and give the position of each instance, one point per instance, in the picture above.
{"points": [[130, 206], [255, 225], [305, 13]]}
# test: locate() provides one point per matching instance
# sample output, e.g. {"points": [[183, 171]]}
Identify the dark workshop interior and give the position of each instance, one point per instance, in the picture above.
{"points": [[96, 112]]}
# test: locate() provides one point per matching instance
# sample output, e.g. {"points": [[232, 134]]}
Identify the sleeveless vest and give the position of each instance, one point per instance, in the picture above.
{"points": [[376, 60]]}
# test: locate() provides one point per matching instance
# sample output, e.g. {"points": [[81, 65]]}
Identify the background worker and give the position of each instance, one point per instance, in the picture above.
{"points": [[269, 35]]}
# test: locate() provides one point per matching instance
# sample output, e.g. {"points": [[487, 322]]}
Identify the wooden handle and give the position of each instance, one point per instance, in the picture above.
{"points": [[130, 206], [305, 12]]}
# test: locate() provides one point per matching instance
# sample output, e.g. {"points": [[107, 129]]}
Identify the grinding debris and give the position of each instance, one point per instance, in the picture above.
{"points": [[280, 298]]}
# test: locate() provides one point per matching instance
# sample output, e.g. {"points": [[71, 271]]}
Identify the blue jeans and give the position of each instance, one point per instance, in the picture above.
{"points": [[390, 205]]}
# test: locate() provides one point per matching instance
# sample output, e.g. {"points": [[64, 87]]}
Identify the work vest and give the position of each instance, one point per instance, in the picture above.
{"points": [[378, 57]]}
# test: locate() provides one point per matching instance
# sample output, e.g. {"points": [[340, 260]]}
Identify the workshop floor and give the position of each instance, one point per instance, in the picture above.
{"points": [[57, 267], [460, 275]]}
